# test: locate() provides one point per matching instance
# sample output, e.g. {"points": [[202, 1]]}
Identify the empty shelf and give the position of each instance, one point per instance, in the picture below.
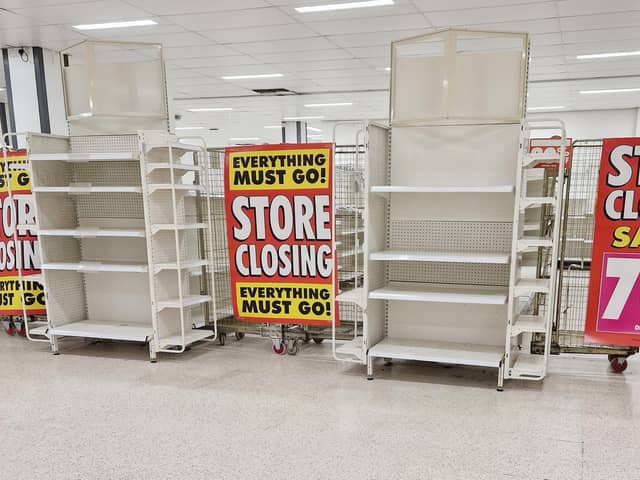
{"points": [[354, 348], [528, 365], [441, 352], [185, 265], [163, 227], [525, 244], [83, 157], [440, 293], [96, 267], [530, 158], [442, 189], [527, 286], [451, 257], [185, 167], [90, 232], [185, 147], [179, 187], [531, 227], [112, 330], [190, 336], [356, 296], [528, 323], [88, 189], [187, 301], [40, 329], [536, 201]]}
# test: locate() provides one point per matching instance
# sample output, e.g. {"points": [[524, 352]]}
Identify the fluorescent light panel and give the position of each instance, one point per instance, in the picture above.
{"points": [[338, 104], [317, 117], [261, 75], [550, 107], [344, 6], [211, 109], [313, 129], [608, 55], [104, 26], [612, 90]]}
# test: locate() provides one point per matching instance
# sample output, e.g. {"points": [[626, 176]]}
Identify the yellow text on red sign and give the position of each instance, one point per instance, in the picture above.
{"points": [[285, 301], [295, 169]]}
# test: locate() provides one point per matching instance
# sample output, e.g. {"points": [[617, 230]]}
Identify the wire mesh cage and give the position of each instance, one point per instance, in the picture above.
{"points": [[577, 241]]}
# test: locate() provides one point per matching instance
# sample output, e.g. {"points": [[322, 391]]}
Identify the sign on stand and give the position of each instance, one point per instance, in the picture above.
{"points": [[278, 201], [18, 241], [613, 311]]}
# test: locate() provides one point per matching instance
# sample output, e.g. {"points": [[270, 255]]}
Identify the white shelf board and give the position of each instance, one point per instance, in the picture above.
{"points": [[353, 348], [185, 167], [175, 146], [40, 329], [526, 286], [435, 256], [91, 232], [162, 227], [96, 267], [187, 301], [178, 187], [440, 293], [529, 158], [88, 189], [528, 365], [190, 336], [531, 227], [529, 243], [112, 330], [528, 323], [356, 296], [83, 157], [185, 265], [440, 352], [528, 202], [350, 253], [442, 189]]}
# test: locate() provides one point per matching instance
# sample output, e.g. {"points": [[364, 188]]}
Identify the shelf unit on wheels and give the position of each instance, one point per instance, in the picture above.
{"points": [[441, 190], [119, 240]]}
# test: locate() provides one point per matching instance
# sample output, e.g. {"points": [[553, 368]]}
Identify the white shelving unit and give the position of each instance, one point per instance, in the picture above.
{"points": [[532, 298], [118, 238], [440, 196]]}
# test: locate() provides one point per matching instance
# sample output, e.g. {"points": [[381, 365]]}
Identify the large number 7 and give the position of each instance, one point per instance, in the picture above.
{"points": [[627, 271]]}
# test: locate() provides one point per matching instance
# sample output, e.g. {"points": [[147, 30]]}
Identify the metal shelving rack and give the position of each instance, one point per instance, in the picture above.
{"points": [[117, 238], [440, 188]]}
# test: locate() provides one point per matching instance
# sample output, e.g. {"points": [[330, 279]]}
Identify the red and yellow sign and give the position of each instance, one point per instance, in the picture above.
{"points": [[18, 241], [550, 146], [278, 201], [613, 309]]}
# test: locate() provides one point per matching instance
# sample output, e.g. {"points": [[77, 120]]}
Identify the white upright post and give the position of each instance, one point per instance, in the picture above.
{"points": [[294, 132]]}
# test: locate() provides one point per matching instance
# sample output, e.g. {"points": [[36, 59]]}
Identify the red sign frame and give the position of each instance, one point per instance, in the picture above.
{"points": [[280, 229], [613, 309]]}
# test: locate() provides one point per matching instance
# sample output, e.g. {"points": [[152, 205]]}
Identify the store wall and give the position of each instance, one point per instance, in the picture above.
{"points": [[592, 124]]}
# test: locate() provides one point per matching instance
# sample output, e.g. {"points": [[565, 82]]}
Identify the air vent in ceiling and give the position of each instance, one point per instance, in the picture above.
{"points": [[274, 91]]}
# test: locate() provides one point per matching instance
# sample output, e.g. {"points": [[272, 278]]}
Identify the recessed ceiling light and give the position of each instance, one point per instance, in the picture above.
{"points": [[261, 75], [612, 90], [344, 6], [339, 104], [211, 109], [189, 128], [317, 117], [608, 55], [388, 69], [103, 26], [550, 107], [313, 129], [274, 126]]}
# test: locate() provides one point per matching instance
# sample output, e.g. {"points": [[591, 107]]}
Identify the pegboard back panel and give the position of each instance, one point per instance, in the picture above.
{"points": [[65, 299], [104, 144], [107, 173], [118, 297], [110, 205]]}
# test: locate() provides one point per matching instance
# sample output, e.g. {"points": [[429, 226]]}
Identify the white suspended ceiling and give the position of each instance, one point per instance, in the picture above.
{"points": [[337, 56]]}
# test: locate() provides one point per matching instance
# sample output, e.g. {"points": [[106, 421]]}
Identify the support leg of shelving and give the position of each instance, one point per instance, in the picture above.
{"points": [[153, 356], [501, 377], [369, 367], [54, 345]]}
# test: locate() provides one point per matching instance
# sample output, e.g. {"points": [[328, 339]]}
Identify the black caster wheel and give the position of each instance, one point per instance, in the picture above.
{"points": [[318, 340], [239, 335], [292, 348], [370, 377], [222, 338], [618, 364]]}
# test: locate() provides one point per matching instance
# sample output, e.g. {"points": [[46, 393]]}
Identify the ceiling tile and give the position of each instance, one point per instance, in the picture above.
{"points": [[257, 34], [377, 38], [610, 21], [214, 61], [442, 5], [316, 55], [280, 46], [475, 16], [86, 12], [375, 24], [233, 19], [175, 7], [197, 51], [570, 8]]}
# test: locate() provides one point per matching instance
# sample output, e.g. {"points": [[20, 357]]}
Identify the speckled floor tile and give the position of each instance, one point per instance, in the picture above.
{"points": [[102, 411]]}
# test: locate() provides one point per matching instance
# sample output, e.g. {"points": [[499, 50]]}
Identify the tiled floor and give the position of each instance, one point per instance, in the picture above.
{"points": [[240, 412]]}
